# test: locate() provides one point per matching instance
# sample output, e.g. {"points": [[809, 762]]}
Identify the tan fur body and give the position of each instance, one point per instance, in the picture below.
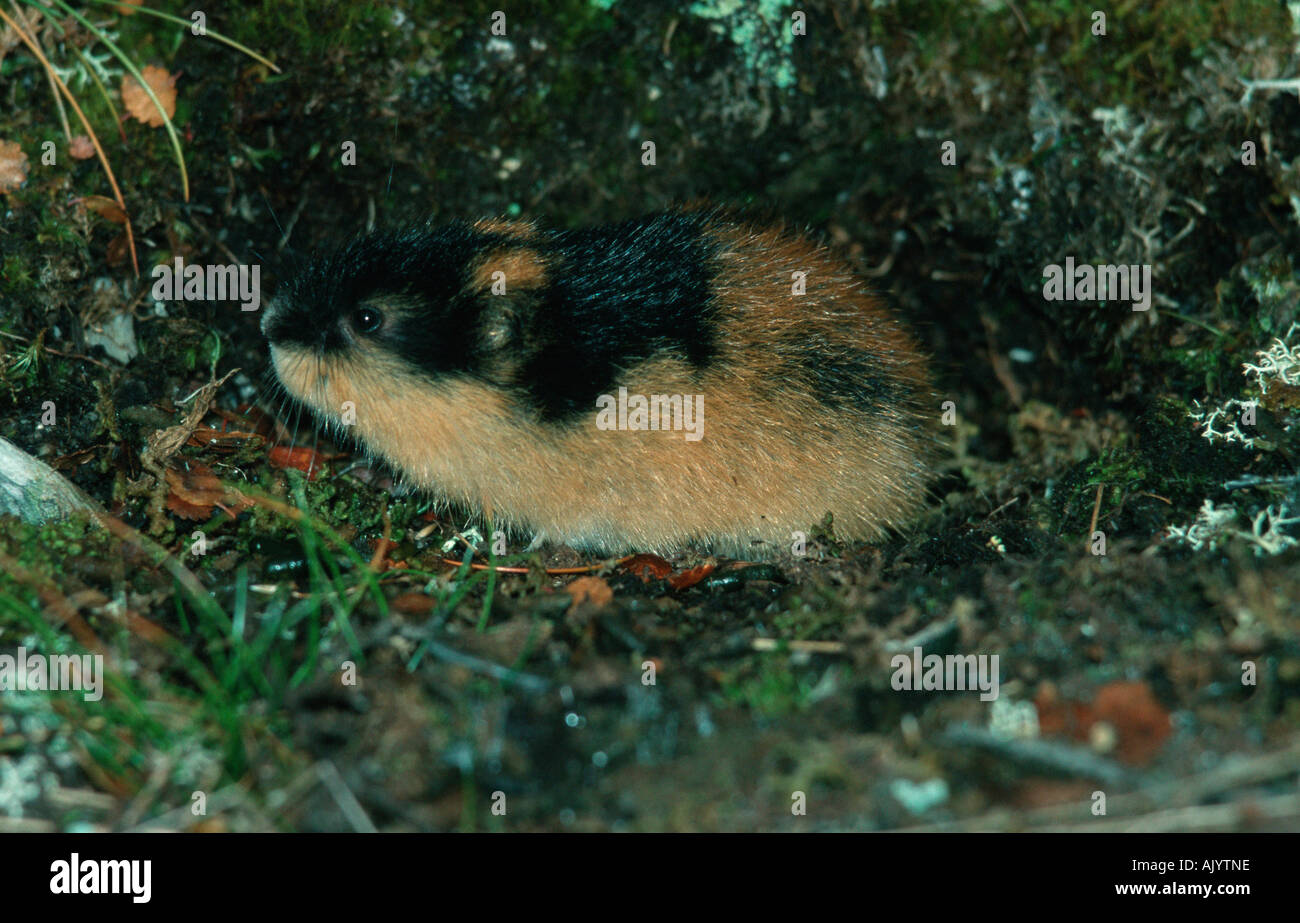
{"points": [[773, 460]]}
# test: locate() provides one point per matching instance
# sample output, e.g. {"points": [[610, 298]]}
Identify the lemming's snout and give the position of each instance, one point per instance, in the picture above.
{"points": [[268, 317]]}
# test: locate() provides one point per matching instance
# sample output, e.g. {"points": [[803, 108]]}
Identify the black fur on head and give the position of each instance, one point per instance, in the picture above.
{"points": [[421, 268], [609, 297]]}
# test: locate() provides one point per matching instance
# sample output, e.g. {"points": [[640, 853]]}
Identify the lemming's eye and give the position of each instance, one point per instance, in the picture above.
{"points": [[367, 320]]}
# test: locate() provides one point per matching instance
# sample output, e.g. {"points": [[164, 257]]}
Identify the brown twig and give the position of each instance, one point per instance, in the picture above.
{"points": [[1096, 509], [1010, 502], [1002, 368], [56, 352], [381, 550], [550, 571], [55, 603], [811, 647]]}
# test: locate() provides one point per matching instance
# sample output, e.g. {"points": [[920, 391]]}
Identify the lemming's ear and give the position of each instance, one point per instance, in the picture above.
{"points": [[506, 282], [501, 325]]}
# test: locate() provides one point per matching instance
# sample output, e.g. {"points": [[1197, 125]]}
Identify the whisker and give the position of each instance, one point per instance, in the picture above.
{"points": [[272, 211], [388, 191], [315, 442]]}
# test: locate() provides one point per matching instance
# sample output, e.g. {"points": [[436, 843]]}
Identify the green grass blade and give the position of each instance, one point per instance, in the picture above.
{"points": [[211, 33]]}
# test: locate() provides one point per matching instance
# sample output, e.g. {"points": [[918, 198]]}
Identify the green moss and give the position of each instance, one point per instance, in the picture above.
{"points": [[16, 273], [48, 549], [1146, 48], [769, 686], [802, 621], [1164, 470], [318, 30]]}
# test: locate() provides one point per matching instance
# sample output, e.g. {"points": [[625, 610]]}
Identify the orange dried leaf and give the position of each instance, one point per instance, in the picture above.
{"points": [[137, 101], [691, 577], [186, 510], [220, 439], [13, 166], [1058, 717], [590, 590], [196, 485], [81, 148], [413, 604], [196, 491], [300, 457], [1140, 723], [104, 207], [648, 567]]}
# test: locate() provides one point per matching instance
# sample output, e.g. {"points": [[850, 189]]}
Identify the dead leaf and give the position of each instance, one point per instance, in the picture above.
{"points": [[73, 460], [221, 440], [1139, 723], [691, 577], [590, 590], [195, 491], [104, 207], [302, 458], [1058, 717], [648, 567], [13, 166], [413, 604], [165, 443], [81, 148], [137, 101], [509, 641]]}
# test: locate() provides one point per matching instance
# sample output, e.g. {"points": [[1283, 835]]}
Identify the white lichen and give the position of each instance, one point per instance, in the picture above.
{"points": [[1224, 413], [1279, 363], [1213, 526], [19, 783]]}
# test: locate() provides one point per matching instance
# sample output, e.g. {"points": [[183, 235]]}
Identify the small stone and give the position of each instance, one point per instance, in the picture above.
{"points": [[117, 336]]}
